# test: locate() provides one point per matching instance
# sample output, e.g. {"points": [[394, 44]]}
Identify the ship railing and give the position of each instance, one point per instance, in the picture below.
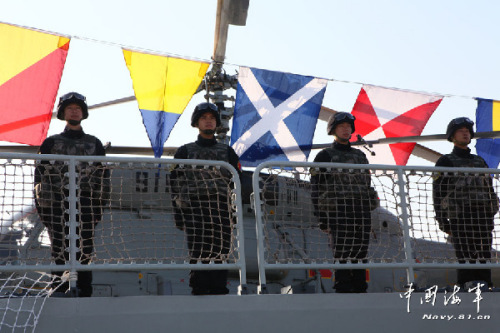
{"points": [[296, 231], [140, 227]]}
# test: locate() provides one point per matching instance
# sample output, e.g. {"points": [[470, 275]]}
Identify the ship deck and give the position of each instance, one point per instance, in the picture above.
{"points": [[374, 312]]}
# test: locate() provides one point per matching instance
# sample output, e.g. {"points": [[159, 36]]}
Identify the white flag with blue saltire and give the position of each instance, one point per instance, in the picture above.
{"points": [[275, 115]]}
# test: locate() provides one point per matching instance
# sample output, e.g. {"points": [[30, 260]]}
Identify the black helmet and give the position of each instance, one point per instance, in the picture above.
{"points": [[200, 109], [72, 97], [340, 117], [458, 123]]}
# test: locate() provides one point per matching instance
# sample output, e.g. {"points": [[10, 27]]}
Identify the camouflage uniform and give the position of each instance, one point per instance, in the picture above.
{"points": [[465, 206], [342, 202], [52, 205], [201, 199]]}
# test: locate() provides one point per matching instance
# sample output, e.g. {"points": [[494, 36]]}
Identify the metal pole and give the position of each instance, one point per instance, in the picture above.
{"points": [[262, 289], [241, 236], [406, 226], [72, 223]]}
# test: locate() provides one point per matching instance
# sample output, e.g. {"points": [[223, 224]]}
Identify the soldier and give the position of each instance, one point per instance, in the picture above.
{"points": [[465, 204], [342, 200], [51, 192], [201, 199]]}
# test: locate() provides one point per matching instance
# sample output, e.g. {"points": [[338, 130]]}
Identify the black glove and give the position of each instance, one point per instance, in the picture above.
{"points": [[322, 219], [444, 224], [323, 222], [179, 219]]}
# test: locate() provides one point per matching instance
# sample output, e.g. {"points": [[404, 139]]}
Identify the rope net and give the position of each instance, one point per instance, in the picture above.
{"points": [[158, 215], [334, 215], [22, 297], [126, 213]]}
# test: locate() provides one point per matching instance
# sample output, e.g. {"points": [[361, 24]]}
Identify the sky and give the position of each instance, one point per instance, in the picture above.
{"points": [[449, 47]]}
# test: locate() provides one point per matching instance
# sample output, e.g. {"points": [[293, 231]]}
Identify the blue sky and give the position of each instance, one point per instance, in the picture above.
{"points": [[446, 47]]}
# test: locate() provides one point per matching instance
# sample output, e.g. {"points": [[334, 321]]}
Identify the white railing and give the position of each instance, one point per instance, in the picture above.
{"points": [[404, 232]]}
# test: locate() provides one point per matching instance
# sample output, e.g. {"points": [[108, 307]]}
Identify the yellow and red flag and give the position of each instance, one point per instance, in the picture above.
{"points": [[31, 65]]}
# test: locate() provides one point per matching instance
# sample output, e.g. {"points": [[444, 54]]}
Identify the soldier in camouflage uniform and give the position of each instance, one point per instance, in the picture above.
{"points": [[201, 199], [465, 204], [342, 203], [51, 191]]}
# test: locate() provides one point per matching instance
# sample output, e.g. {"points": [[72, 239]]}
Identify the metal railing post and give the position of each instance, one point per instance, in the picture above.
{"points": [[72, 223], [262, 289], [237, 201], [406, 227]]}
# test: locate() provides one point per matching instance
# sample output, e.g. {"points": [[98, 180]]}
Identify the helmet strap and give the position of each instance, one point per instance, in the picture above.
{"points": [[208, 132], [73, 122]]}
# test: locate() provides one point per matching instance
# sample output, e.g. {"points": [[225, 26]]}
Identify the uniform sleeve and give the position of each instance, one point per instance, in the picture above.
{"points": [[367, 179], [440, 181], [322, 157], [175, 174], [45, 148], [99, 149], [494, 202], [317, 178], [234, 160], [318, 175], [364, 160], [439, 191], [181, 153], [103, 177], [41, 167]]}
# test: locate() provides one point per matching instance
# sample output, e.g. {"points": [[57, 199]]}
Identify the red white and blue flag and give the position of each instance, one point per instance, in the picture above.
{"points": [[389, 113]]}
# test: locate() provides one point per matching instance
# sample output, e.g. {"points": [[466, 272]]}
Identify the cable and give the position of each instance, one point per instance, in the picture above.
{"points": [[159, 53]]}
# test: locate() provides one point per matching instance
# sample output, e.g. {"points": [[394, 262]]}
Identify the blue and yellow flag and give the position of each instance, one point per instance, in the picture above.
{"points": [[163, 87], [488, 119]]}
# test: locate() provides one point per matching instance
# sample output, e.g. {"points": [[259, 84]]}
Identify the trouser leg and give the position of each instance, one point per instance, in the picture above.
{"points": [[472, 243], [86, 247], [195, 236], [208, 235], [218, 282], [350, 235], [56, 231], [221, 244]]}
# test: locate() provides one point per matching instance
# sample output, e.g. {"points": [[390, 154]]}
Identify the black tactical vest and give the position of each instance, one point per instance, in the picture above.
{"points": [[200, 180], [351, 156], [86, 145], [344, 183], [91, 179], [217, 152], [466, 189]]}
